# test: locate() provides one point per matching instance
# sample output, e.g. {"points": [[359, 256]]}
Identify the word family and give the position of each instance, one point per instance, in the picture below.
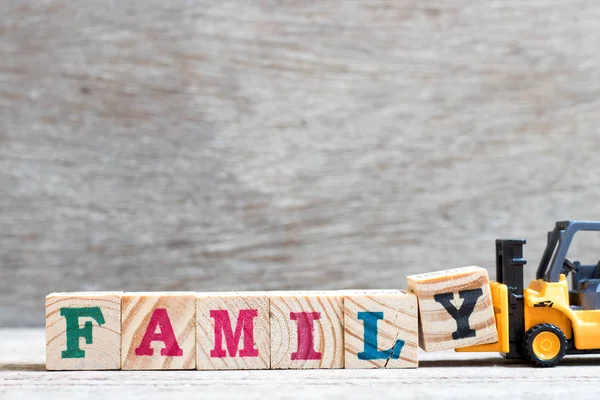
{"points": [[269, 330]]}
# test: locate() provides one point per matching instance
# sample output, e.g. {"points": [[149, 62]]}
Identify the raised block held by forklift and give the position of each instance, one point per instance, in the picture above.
{"points": [[455, 308]]}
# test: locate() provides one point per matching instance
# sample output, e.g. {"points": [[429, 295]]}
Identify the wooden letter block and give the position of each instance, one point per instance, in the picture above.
{"points": [[159, 331], [380, 329], [455, 308], [306, 330], [83, 331], [232, 331]]}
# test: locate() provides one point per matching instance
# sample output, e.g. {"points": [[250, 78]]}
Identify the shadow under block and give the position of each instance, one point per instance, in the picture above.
{"points": [[380, 329], [83, 331], [232, 331], [158, 331], [455, 308], [306, 330]]}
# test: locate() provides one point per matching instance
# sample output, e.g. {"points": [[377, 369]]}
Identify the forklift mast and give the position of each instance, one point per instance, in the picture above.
{"points": [[509, 271]]}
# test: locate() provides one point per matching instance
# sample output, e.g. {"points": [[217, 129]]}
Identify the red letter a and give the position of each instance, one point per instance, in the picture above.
{"points": [[245, 322], [161, 319]]}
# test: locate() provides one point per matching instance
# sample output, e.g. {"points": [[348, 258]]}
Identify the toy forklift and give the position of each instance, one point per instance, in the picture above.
{"points": [[546, 321]]}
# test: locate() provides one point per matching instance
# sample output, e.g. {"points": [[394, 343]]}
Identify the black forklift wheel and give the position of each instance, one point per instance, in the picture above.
{"points": [[545, 345]]}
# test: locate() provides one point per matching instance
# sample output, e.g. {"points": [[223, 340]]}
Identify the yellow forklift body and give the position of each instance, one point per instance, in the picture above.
{"points": [[548, 302], [587, 329]]}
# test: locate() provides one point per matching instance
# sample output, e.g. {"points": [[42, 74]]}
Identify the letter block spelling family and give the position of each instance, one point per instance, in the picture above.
{"points": [[159, 331], [306, 330], [276, 330], [83, 331], [455, 308], [232, 330], [380, 329]]}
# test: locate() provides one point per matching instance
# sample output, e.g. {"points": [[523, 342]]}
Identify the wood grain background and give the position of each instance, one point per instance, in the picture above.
{"points": [[256, 144]]}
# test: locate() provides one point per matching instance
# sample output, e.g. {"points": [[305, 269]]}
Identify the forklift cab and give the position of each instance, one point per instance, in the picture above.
{"points": [[585, 279]]}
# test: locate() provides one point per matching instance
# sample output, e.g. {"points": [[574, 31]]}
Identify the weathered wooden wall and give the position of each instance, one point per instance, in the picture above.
{"points": [[255, 144]]}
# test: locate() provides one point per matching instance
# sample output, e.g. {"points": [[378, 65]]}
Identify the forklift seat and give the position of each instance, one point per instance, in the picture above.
{"points": [[596, 274]]}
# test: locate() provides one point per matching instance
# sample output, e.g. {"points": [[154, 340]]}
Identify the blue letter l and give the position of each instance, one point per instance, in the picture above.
{"points": [[370, 339]]}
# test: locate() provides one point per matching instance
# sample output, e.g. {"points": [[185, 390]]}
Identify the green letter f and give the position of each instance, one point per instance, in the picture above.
{"points": [[74, 332]]}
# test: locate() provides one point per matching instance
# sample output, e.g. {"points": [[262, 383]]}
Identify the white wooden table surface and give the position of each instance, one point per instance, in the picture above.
{"points": [[441, 375]]}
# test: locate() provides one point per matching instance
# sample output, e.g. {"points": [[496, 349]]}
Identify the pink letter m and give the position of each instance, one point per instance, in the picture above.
{"points": [[245, 323]]}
